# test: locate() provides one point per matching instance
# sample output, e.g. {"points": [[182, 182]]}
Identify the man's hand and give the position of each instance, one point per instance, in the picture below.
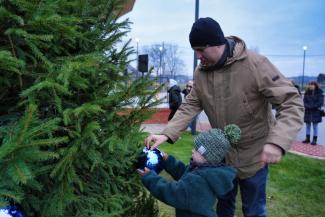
{"points": [[156, 139], [143, 172], [271, 154]]}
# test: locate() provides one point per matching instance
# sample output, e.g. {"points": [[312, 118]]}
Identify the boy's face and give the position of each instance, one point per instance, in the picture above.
{"points": [[198, 158]]}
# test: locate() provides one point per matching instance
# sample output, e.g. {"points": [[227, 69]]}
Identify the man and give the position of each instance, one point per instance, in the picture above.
{"points": [[234, 85], [175, 98], [186, 91]]}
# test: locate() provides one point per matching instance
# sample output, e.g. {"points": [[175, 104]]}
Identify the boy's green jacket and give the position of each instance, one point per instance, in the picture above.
{"points": [[194, 191]]}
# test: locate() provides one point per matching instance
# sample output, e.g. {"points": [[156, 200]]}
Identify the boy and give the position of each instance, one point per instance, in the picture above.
{"points": [[198, 185]]}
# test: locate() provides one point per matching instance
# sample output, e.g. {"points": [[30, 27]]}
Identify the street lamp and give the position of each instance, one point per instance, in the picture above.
{"points": [[137, 40], [197, 4], [160, 57], [303, 66]]}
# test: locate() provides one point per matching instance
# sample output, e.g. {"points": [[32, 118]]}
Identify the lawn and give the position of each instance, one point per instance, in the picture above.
{"points": [[296, 186]]}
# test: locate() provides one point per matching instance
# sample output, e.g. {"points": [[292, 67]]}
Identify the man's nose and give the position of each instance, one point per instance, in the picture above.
{"points": [[198, 54]]}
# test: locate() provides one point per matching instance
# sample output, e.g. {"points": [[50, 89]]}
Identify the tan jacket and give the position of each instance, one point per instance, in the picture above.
{"points": [[242, 93]]}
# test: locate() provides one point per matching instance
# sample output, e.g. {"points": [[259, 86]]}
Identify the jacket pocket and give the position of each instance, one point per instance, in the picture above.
{"points": [[253, 123], [246, 111]]}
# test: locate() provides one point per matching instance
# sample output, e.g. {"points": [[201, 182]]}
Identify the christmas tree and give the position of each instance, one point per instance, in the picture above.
{"points": [[68, 138]]}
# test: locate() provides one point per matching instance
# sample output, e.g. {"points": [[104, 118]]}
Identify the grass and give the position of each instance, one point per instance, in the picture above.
{"points": [[296, 186]]}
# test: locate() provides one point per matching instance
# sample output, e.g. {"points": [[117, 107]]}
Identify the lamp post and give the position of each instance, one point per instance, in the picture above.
{"points": [[197, 4], [160, 60], [303, 67], [137, 40]]}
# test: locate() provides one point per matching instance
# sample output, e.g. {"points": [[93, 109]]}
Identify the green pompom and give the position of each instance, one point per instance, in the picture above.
{"points": [[232, 132]]}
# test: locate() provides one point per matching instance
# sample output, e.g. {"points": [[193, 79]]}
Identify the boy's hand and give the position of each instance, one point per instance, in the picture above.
{"points": [[165, 155], [143, 172]]}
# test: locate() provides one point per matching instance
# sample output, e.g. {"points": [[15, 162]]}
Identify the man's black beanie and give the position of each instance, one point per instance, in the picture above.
{"points": [[206, 32]]}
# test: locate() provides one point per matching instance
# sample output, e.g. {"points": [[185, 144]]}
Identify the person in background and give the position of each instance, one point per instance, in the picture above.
{"points": [[175, 98], [235, 85], [186, 91], [313, 101]]}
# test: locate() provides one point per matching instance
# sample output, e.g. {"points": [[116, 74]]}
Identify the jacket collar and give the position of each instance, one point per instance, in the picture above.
{"points": [[235, 50], [238, 49]]}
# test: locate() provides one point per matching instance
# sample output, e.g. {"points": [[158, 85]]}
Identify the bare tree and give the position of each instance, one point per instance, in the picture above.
{"points": [[155, 53], [165, 58], [174, 63]]}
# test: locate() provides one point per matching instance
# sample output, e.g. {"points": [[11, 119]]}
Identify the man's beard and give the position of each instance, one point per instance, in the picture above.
{"points": [[207, 66], [206, 63]]}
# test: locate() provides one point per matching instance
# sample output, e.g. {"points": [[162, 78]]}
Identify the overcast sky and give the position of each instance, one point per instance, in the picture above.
{"points": [[278, 28]]}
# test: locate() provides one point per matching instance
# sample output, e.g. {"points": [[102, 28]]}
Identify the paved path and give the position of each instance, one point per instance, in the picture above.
{"points": [[313, 151]]}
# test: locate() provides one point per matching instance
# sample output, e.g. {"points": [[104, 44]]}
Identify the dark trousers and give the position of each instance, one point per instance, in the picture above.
{"points": [[253, 196], [171, 114]]}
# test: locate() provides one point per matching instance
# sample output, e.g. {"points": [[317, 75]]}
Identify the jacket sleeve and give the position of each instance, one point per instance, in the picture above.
{"points": [[172, 193], [174, 167], [279, 91], [184, 115]]}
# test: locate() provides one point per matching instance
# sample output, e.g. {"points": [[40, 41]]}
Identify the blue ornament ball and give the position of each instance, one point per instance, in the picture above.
{"points": [[152, 159], [10, 211]]}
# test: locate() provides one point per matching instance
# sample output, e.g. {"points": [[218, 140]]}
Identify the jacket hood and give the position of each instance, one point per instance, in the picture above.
{"points": [[219, 179], [175, 88], [172, 83], [237, 49]]}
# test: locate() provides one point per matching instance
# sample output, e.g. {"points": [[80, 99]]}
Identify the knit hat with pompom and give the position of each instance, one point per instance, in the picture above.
{"points": [[215, 143]]}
